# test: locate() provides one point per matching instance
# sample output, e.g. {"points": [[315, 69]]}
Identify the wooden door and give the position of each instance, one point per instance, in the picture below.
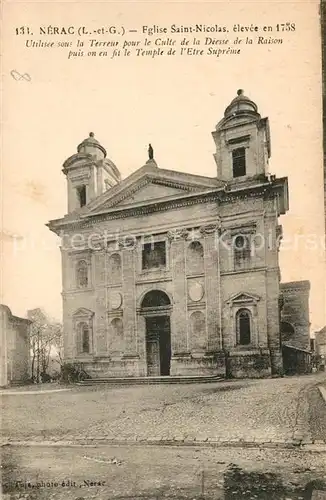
{"points": [[152, 348]]}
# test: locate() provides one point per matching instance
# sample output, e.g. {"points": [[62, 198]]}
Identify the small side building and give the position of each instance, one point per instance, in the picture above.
{"points": [[295, 327], [320, 346], [14, 348]]}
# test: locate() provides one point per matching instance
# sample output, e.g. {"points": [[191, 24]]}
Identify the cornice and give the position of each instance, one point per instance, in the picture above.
{"points": [[196, 306], [244, 271], [145, 281], [295, 285], [217, 195], [119, 197], [177, 185]]}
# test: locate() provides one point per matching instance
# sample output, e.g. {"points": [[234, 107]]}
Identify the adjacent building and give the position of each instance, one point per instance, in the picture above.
{"points": [[14, 348], [167, 273], [295, 327], [320, 345]]}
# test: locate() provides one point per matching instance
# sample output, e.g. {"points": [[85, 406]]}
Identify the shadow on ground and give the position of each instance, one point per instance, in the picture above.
{"points": [[230, 482]]}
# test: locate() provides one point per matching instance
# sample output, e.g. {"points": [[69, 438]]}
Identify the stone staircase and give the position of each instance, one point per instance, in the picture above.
{"points": [[202, 379]]}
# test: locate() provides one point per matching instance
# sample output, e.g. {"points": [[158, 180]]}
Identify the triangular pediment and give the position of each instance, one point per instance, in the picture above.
{"points": [[82, 312], [148, 184], [150, 191], [243, 298]]}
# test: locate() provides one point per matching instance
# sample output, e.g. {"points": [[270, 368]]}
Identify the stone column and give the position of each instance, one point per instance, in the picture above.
{"points": [[212, 281], [179, 334], [129, 301]]}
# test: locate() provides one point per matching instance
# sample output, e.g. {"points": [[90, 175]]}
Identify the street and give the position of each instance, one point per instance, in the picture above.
{"points": [[230, 439]]}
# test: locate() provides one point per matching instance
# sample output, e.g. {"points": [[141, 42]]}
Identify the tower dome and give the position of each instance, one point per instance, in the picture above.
{"points": [[91, 146], [89, 173], [241, 105]]}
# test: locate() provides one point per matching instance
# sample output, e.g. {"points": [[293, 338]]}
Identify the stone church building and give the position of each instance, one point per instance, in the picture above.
{"points": [[167, 273]]}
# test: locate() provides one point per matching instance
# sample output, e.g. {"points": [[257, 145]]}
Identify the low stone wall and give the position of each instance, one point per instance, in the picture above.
{"points": [[191, 364], [249, 364], [253, 363], [124, 367]]}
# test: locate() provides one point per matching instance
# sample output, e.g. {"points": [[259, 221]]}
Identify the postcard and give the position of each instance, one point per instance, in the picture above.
{"points": [[163, 250]]}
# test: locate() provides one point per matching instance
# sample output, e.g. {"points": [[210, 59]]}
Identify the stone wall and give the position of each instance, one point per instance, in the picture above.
{"points": [[295, 312], [15, 348]]}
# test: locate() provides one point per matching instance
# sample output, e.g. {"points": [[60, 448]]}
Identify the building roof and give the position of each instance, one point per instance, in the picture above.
{"points": [[7, 311], [91, 141], [304, 284], [240, 104], [290, 346]]}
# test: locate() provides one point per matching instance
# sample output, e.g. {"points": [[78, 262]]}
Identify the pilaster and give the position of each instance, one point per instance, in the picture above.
{"points": [[179, 334], [273, 320], [129, 301], [101, 326], [212, 280]]}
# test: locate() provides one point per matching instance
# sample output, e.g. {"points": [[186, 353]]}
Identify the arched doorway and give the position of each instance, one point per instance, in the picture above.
{"points": [[156, 308], [287, 331]]}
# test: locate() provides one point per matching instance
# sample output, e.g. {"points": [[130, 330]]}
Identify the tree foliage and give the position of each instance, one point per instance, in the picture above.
{"points": [[45, 339]]}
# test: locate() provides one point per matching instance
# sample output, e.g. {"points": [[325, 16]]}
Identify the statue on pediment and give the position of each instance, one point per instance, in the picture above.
{"points": [[150, 152]]}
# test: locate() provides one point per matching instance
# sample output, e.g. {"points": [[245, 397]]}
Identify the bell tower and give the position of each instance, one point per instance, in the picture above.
{"points": [[242, 140], [89, 173]]}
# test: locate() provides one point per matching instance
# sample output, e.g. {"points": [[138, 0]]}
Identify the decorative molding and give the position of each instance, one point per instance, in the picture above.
{"points": [[237, 140], [119, 197], [191, 188], [196, 291], [118, 313], [144, 280], [210, 228], [244, 228], [242, 298], [124, 244], [149, 179], [115, 300], [219, 196], [75, 291], [197, 306], [78, 252], [82, 312], [100, 246], [75, 179], [178, 234]]}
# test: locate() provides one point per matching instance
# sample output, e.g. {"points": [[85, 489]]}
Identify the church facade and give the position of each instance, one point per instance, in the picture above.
{"points": [[167, 273]]}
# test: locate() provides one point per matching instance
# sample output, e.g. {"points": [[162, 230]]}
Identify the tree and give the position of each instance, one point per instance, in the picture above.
{"points": [[45, 340]]}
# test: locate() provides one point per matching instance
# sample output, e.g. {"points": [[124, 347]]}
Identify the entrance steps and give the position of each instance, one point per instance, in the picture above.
{"points": [[191, 379]]}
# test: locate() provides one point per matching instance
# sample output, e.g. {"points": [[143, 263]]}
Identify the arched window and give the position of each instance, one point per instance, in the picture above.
{"points": [[83, 338], [195, 257], [115, 268], [155, 298], [239, 162], [243, 327], [242, 252], [197, 330], [81, 195], [82, 274]]}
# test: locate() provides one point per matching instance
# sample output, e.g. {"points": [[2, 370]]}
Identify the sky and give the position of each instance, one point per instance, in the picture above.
{"points": [[174, 104]]}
